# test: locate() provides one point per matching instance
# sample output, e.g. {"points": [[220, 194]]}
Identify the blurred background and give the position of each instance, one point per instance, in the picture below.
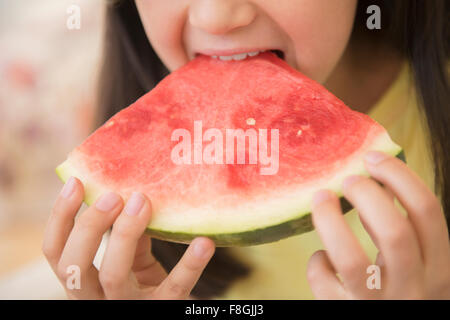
{"points": [[48, 70]]}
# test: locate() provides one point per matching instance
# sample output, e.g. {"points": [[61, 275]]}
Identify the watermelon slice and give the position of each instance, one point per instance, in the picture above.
{"points": [[167, 145]]}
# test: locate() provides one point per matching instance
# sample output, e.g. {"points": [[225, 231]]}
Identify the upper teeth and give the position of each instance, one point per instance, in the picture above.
{"points": [[240, 56]]}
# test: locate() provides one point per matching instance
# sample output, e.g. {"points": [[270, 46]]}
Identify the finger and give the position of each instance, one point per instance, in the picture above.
{"points": [[391, 196], [182, 279], [61, 220], [83, 243], [115, 273], [389, 193], [379, 261], [322, 278], [367, 227], [388, 227], [147, 269], [343, 248], [424, 210]]}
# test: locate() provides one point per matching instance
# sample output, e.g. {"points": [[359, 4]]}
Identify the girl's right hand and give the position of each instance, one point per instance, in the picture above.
{"points": [[128, 269]]}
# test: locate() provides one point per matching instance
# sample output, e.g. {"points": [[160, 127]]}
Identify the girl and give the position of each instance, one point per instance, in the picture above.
{"points": [[370, 70]]}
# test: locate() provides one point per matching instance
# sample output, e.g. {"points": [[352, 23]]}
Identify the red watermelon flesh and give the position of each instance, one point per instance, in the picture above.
{"points": [[321, 141]]}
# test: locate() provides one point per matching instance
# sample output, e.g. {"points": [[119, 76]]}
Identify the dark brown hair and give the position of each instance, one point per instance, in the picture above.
{"points": [[418, 30]]}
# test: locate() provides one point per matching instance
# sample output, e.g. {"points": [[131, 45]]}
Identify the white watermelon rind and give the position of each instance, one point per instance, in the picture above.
{"points": [[301, 224], [246, 229]]}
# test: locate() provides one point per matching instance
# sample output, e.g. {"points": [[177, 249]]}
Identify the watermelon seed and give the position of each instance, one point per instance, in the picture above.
{"points": [[251, 121], [299, 132]]}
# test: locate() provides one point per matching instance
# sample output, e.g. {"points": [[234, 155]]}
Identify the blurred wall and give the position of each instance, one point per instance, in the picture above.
{"points": [[47, 84]]}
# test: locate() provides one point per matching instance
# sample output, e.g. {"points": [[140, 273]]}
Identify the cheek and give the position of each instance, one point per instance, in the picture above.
{"points": [[319, 33], [163, 23]]}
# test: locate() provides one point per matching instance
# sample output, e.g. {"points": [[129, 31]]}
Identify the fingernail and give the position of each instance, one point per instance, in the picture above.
{"points": [[375, 157], [349, 181], [321, 196], [200, 249], [107, 202], [68, 188], [134, 204]]}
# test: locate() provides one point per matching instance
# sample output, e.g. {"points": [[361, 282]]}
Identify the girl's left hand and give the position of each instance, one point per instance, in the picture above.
{"points": [[414, 252]]}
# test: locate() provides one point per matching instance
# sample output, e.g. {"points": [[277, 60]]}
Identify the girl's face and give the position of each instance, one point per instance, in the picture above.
{"points": [[312, 34]]}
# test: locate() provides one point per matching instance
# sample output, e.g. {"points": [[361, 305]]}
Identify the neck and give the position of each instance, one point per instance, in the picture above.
{"points": [[363, 75]]}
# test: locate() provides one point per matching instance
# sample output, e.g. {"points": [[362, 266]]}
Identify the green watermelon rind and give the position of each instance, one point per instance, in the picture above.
{"points": [[258, 236], [301, 224]]}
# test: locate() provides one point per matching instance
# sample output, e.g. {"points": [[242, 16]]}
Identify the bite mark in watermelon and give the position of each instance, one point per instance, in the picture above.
{"points": [[321, 141]]}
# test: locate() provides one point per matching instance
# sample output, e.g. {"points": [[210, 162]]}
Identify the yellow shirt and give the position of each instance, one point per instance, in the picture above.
{"points": [[279, 268]]}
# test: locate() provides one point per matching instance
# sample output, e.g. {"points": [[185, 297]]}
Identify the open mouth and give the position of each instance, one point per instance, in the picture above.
{"points": [[242, 56], [279, 53]]}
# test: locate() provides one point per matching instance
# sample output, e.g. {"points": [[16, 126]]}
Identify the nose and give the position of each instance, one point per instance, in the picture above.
{"points": [[221, 16]]}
